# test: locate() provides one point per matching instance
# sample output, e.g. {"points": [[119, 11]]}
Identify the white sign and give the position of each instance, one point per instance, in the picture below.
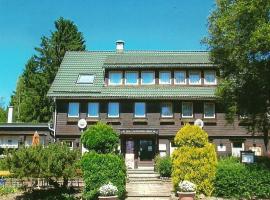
{"points": [[162, 147], [82, 123], [221, 147], [199, 122], [129, 160], [256, 150]]}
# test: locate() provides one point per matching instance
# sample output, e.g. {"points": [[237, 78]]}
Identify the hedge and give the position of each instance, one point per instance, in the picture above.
{"points": [[163, 165], [99, 169], [237, 180]]}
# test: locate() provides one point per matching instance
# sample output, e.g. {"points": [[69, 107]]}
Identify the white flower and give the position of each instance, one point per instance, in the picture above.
{"points": [[108, 190], [187, 186]]}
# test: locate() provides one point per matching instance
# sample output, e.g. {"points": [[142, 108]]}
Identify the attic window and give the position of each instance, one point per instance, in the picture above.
{"points": [[86, 78]]}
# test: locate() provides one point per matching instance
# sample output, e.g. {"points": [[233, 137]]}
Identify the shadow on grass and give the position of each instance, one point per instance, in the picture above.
{"points": [[51, 194]]}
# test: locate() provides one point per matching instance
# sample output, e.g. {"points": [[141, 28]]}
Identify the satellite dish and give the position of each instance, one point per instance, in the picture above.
{"points": [[82, 123], [199, 122]]}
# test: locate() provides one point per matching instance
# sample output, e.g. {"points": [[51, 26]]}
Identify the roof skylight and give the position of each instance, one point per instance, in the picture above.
{"points": [[86, 78]]}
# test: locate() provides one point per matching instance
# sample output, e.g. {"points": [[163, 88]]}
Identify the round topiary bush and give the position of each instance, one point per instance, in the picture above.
{"points": [[100, 169], [194, 159], [100, 138]]}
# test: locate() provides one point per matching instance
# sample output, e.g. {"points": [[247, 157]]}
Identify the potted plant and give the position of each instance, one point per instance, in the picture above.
{"points": [[108, 192], [187, 190]]}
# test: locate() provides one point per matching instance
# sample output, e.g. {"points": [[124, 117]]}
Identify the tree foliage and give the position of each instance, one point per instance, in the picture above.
{"points": [[194, 159], [30, 101], [3, 111], [52, 162], [239, 43], [100, 138]]}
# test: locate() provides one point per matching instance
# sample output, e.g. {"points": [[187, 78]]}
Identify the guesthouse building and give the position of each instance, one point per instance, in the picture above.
{"points": [[146, 96]]}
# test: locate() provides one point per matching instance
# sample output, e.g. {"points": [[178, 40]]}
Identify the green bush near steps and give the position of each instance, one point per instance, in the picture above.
{"points": [[100, 169], [237, 180], [163, 165]]}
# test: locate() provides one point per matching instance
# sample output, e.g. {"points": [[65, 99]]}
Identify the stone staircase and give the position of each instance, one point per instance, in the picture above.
{"points": [[145, 184]]}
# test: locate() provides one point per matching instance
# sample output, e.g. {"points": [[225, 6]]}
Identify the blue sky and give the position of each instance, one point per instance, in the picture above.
{"points": [[143, 24]]}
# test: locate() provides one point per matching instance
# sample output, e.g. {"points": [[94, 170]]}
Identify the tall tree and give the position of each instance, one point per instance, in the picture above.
{"points": [[3, 111], [30, 100], [239, 43]]}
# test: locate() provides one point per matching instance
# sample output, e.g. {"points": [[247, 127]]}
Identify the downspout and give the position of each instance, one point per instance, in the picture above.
{"points": [[54, 122]]}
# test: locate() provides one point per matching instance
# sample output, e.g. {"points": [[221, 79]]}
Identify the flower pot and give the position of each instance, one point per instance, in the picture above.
{"points": [[107, 197], [186, 195]]}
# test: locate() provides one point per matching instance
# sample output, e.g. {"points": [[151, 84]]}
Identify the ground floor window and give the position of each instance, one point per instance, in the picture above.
{"points": [[187, 109]]}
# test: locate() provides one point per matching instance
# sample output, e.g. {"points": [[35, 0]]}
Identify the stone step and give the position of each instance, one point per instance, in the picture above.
{"points": [[140, 175], [136, 171], [148, 198]]}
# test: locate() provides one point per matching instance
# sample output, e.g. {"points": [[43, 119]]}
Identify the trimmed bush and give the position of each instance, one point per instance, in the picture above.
{"points": [[100, 138], [236, 180], [100, 169], [163, 165], [194, 159]]}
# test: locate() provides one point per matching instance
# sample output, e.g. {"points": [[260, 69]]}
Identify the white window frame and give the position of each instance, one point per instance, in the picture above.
{"points": [[132, 83], [140, 116], [166, 116], [209, 83], [159, 79], [154, 80], [114, 116], [200, 82], [88, 115], [72, 143], [85, 82], [78, 112], [209, 117], [183, 83], [109, 78], [183, 116]]}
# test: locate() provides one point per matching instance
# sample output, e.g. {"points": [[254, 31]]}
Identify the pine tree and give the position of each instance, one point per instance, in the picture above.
{"points": [[30, 101]]}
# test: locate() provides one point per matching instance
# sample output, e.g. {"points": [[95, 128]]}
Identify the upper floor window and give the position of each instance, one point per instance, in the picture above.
{"points": [[73, 109], [113, 109], [179, 77], [164, 77], [187, 109], [166, 110], [209, 110], [115, 78], [148, 77], [194, 77], [139, 109], [85, 78], [131, 78], [210, 77], [93, 109]]}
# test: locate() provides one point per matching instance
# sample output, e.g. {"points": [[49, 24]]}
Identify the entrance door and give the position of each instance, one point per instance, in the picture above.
{"points": [[146, 149]]}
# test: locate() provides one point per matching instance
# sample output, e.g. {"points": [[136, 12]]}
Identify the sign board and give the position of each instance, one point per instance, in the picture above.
{"points": [[129, 160], [199, 122], [247, 157], [256, 150], [162, 147], [82, 123], [221, 147]]}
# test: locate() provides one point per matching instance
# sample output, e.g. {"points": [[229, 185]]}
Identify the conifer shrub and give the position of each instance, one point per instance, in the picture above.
{"points": [[194, 159], [100, 169], [163, 165], [100, 138]]}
